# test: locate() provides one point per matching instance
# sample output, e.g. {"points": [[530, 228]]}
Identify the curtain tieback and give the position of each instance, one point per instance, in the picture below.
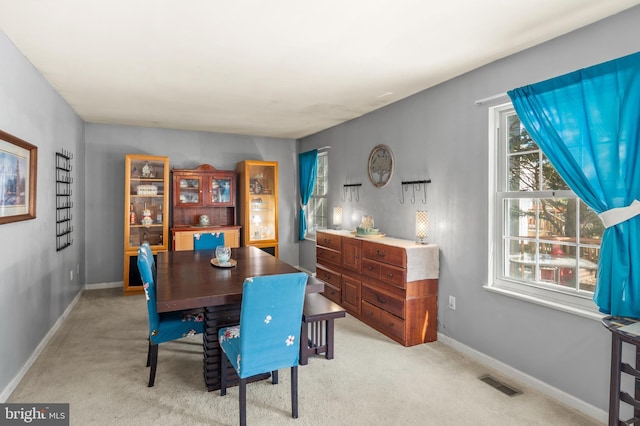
{"points": [[618, 215]]}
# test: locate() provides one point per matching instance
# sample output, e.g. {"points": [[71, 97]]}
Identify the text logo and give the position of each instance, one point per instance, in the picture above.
{"points": [[34, 414]]}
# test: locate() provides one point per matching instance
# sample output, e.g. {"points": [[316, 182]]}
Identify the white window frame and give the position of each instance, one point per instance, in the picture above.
{"points": [[320, 195], [572, 302]]}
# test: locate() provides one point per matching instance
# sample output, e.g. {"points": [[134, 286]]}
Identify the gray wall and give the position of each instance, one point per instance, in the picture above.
{"points": [[441, 134], [106, 146], [35, 284]]}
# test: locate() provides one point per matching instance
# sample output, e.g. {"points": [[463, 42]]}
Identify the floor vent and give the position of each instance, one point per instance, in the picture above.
{"points": [[505, 389]]}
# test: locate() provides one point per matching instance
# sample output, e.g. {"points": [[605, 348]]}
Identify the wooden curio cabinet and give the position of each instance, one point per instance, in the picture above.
{"points": [[146, 203], [258, 189], [203, 191]]}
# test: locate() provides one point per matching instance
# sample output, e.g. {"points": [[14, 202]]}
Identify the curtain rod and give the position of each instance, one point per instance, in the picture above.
{"points": [[491, 98]]}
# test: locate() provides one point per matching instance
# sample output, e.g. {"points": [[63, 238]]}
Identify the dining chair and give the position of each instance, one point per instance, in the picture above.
{"points": [[267, 338], [164, 327], [209, 240], [147, 249]]}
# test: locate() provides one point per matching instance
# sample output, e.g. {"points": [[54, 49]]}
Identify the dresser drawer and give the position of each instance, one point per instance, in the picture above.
{"points": [[325, 239], [384, 253], [328, 276], [383, 301], [394, 276], [332, 293], [325, 255], [371, 269], [392, 325], [370, 314]]}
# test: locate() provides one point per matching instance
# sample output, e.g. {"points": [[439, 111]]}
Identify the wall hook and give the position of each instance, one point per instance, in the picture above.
{"points": [[352, 188], [416, 185]]}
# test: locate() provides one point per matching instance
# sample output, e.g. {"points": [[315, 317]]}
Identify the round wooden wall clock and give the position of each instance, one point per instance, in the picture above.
{"points": [[380, 165]]}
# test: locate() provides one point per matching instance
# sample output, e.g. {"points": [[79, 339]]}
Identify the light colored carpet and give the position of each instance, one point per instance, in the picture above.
{"points": [[96, 362]]}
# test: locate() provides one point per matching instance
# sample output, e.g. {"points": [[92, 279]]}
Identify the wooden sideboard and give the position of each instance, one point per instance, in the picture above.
{"points": [[388, 283]]}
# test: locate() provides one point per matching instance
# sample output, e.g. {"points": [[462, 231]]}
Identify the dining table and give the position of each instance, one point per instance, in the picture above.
{"points": [[193, 279]]}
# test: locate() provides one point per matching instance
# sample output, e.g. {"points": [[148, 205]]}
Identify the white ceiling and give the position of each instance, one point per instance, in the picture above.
{"points": [[280, 68]]}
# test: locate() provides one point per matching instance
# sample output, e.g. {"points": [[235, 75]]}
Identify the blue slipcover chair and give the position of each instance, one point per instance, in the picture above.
{"points": [[267, 338], [167, 326], [209, 240]]}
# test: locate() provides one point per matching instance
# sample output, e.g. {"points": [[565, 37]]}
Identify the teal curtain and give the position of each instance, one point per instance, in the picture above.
{"points": [[588, 124], [308, 162]]}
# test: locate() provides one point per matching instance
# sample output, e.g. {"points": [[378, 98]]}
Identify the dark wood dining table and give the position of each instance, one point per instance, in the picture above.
{"points": [[188, 280]]}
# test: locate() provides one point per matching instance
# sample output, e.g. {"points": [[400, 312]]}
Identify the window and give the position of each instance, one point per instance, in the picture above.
{"points": [[317, 211], [546, 241]]}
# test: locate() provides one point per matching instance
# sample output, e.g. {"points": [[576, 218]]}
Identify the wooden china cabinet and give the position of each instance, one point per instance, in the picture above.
{"points": [[146, 202], [258, 189], [203, 191]]}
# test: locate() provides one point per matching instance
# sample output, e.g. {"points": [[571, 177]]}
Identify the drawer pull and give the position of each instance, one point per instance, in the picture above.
{"points": [[370, 268], [327, 276], [390, 275], [381, 253], [327, 240], [381, 299]]}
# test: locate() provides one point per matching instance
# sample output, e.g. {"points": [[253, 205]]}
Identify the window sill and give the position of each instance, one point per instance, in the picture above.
{"points": [[575, 310]]}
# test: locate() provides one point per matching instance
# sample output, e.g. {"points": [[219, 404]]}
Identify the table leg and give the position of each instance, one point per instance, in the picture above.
{"points": [[614, 391], [329, 338]]}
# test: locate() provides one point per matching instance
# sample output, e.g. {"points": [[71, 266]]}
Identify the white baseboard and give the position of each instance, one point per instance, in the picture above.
{"points": [[555, 393], [99, 286], [7, 391]]}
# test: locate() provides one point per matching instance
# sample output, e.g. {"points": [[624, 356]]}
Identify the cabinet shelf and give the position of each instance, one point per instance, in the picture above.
{"points": [[146, 179]]}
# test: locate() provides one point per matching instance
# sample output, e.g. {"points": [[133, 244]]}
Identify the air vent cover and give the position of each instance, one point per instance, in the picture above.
{"points": [[504, 388]]}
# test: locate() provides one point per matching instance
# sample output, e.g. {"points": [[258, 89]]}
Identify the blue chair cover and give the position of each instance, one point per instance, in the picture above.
{"points": [[167, 326], [147, 249], [267, 338], [209, 240]]}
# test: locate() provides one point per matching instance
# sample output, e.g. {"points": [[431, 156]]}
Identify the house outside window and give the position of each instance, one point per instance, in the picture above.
{"points": [[545, 240], [317, 210]]}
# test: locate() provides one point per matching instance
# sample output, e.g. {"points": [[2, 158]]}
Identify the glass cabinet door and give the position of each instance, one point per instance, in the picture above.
{"points": [[146, 201], [188, 191], [221, 190], [262, 203]]}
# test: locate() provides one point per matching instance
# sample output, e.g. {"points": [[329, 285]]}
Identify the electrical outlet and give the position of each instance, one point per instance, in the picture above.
{"points": [[452, 303], [71, 274]]}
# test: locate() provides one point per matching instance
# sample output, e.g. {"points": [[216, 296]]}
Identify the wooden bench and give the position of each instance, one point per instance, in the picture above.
{"points": [[316, 336]]}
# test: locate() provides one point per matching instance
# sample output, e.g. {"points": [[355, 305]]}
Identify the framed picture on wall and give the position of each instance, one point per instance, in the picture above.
{"points": [[18, 175]]}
